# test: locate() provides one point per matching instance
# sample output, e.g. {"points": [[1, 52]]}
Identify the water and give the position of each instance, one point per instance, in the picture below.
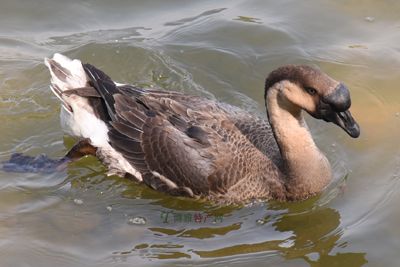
{"points": [[223, 50]]}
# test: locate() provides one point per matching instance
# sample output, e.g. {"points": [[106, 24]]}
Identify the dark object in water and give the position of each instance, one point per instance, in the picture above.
{"points": [[43, 164], [39, 164]]}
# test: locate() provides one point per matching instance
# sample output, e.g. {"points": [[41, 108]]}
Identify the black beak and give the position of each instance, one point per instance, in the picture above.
{"points": [[345, 121], [335, 108]]}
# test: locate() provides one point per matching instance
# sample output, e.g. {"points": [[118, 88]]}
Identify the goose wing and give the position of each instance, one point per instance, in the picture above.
{"points": [[176, 148], [256, 130]]}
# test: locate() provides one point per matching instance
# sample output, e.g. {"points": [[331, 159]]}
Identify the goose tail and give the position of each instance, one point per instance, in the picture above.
{"points": [[84, 114], [66, 74]]}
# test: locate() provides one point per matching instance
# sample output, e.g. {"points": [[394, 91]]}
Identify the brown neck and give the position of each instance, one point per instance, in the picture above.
{"points": [[306, 170]]}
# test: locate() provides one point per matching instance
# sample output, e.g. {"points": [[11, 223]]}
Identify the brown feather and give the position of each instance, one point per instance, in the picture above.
{"points": [[83, 92]]}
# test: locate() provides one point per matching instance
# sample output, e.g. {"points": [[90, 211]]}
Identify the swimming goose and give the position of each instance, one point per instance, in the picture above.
{"points": [[192, 146]]}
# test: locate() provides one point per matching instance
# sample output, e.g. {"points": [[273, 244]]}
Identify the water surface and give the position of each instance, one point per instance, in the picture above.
{"points": [[222, 50]]}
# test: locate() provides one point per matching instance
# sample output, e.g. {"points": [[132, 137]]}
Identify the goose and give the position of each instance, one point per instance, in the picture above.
{"points": [[192, 146]]}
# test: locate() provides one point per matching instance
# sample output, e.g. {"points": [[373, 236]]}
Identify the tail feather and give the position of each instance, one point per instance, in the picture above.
{"points": [[105, 87], [66, 73], [87, 114], [99, 110]]}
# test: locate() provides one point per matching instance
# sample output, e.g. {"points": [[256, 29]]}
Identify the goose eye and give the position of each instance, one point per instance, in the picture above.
{"points": [[311, 90]]}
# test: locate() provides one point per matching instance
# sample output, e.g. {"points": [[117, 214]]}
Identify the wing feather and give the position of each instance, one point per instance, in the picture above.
{"points": [[180, 145]]}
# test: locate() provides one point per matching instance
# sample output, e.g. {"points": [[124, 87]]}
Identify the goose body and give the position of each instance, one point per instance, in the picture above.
{"points": [[191, 146]]}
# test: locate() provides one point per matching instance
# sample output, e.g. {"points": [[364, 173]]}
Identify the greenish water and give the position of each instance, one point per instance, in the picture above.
{"points": [[220, 49]]}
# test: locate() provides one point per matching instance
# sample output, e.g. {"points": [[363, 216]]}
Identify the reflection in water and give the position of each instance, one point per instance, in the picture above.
{"points": [[314, 235], [307, 233]]}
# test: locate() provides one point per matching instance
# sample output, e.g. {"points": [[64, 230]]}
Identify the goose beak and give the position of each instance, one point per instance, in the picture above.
{"points": [[346, 121], [335, 108]]}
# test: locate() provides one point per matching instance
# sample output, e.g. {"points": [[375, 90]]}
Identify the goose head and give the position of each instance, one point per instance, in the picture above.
{"points": [[306, 88]]}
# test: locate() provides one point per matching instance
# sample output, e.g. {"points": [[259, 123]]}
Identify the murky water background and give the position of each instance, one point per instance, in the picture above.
{"points": [[221, 49]]}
